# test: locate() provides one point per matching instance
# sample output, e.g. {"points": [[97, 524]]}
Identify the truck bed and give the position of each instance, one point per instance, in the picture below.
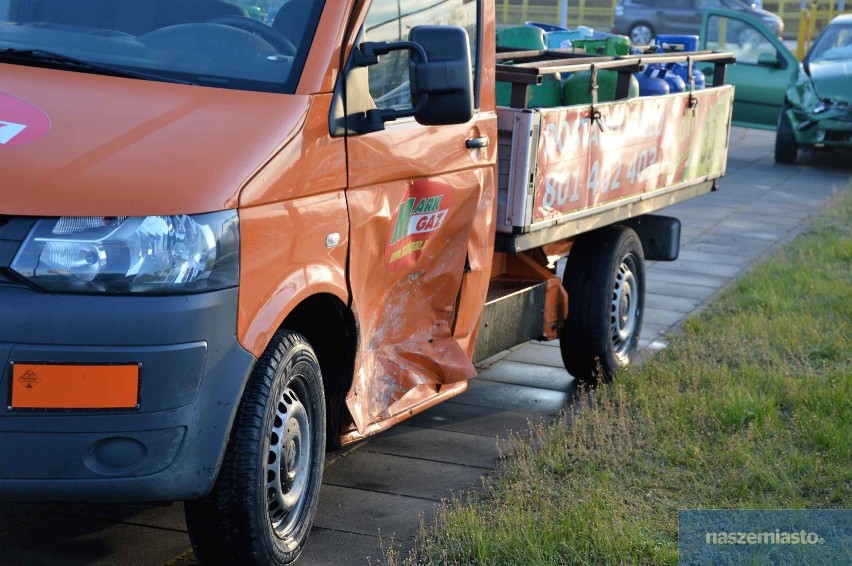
{"points": [[570, 169]]}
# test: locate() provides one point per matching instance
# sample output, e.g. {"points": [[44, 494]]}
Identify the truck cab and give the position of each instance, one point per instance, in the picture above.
{"points": [[197, 233]]}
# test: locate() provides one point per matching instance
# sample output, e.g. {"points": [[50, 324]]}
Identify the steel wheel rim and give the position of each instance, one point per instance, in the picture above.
{"points": [[624, 309], [288, 459], [640, 35]]}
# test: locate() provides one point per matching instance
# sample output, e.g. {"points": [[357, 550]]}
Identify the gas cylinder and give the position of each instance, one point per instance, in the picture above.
{"points": [[651, 83], [576, 88]]}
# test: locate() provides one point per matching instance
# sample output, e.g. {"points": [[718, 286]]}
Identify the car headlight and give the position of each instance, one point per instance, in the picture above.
{"points": [[123, 255]]}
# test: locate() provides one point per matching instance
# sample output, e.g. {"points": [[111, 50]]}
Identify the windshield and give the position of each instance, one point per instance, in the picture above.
{"points": [[834, 44], [250, 45]]}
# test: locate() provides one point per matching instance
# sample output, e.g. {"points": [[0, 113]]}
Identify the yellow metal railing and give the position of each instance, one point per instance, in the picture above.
{"points": [[812, 18], [791, 12], [593, 13]]}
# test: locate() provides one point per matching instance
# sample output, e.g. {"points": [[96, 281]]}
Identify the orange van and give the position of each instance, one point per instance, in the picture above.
{"points": [[227, 243]]}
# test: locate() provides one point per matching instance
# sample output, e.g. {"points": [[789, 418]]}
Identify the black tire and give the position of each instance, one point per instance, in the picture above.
{"points": [[641, 33], [265, 497], [605, 280], [786, 148]]}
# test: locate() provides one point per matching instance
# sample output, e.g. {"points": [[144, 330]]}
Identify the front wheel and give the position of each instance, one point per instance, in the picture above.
{"points": [[263, 503], [786, 147], [605, 280]]}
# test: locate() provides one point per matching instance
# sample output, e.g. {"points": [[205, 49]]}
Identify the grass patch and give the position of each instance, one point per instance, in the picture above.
{"points": [[749, 407]]}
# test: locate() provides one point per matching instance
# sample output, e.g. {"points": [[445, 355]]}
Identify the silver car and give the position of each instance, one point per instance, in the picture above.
{"points": [[641, 20]]}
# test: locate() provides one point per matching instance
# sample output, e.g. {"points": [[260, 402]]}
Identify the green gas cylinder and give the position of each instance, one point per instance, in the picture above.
{"points": [[521, 37], [546, 95], [576, 88], [611, 46], [549, 92]]}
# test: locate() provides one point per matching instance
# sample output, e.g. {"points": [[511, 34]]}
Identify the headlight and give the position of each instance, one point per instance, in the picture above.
{"points": [[120, 255]]}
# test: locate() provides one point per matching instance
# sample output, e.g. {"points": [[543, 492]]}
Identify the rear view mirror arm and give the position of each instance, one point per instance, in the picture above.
{"points": [[367, 54]]}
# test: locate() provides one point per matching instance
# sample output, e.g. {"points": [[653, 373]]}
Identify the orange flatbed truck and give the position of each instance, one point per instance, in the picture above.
{"points": [[228, 244]]}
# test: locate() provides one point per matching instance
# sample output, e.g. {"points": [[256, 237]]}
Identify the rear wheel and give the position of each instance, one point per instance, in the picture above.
{"points": [[641, 33], [786, 147], [263, 504], [605, 280]]}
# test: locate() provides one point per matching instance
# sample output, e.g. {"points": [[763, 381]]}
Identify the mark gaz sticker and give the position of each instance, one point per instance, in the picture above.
{"points": [[421, 212], [20, 122]]}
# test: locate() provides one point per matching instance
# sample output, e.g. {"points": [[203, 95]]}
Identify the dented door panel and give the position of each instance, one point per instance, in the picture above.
{"points": [[412, 206]]}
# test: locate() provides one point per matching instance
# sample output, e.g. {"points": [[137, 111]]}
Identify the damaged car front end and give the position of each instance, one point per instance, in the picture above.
{"points": [[817, 111]]}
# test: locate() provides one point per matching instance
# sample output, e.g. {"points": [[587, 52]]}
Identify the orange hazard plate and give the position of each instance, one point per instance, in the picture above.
{"points": [[54, 386]]}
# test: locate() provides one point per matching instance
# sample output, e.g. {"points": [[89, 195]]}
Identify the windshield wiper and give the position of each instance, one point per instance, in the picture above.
{"points": [[40, 55]]}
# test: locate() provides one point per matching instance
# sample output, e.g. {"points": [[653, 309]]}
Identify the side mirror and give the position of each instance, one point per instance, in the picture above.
{"points": [[769, 60], [440, 82], [442, 86]]}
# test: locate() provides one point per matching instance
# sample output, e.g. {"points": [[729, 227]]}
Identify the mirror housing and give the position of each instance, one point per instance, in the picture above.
{"points": [[442, 86], [440, 82]]}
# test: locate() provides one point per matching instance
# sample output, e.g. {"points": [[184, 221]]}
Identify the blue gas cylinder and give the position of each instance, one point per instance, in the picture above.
{"points": [[651, 83], [668, 43], [676, 84], [681, 70]]}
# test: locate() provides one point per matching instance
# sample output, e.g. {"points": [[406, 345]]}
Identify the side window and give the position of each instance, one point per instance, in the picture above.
{"points": [[745, 41], [391, 20]]}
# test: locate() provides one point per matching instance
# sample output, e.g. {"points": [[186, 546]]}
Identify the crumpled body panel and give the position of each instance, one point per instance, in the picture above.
{"points": [[410, 238]]}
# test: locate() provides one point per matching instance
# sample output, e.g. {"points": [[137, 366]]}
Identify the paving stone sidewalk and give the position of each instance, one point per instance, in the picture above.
{"points": [[377, 492]]}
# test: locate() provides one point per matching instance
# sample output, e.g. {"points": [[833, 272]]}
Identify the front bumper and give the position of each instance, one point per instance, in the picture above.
{"points": [[192, 374], [832, 129]]}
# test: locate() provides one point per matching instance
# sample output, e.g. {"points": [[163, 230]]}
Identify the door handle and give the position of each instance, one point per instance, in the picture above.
{"points": [[476, 143]]}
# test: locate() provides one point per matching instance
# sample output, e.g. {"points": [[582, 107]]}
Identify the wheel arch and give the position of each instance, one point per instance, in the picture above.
{"points": [[331, 328]]}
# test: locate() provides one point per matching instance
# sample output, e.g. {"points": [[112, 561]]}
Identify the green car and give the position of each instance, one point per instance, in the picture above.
{"points": [[808, 103]]}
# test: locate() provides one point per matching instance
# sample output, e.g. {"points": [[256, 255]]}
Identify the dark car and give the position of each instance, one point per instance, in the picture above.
{"points": [[641, 20]]}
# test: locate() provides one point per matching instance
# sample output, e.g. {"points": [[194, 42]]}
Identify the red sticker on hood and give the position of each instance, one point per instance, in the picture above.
{"points": [[423, 210], [20, 122]]}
